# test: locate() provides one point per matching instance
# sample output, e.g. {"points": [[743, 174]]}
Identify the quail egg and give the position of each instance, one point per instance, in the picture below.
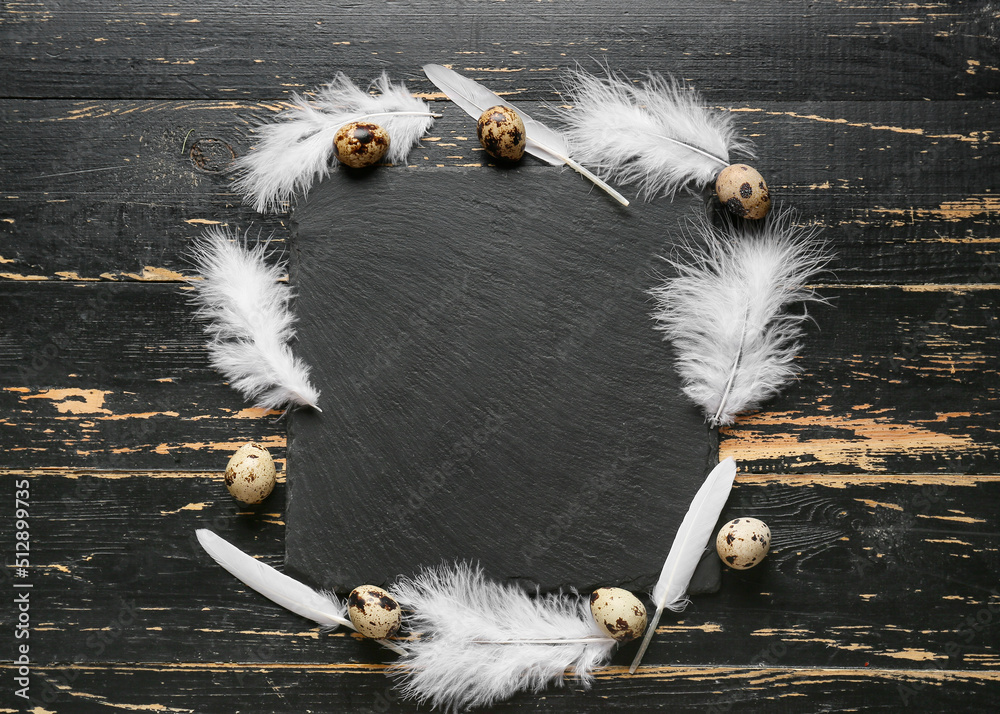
{"points": [[741, 189], [250, 474], [618, 613], [360, 144], [373, 612], [501, 132], [743, 542]]}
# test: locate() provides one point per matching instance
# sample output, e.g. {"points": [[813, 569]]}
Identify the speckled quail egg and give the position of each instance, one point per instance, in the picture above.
{"points": [[250, 474], [360, 144], [618, 613], [501, 132], [742, 190], [373, 612], [743, 542]]}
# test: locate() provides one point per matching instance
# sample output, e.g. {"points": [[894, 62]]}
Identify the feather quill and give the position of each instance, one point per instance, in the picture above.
{"points": [[697, 528], [249, 320], [541, 141], [661, 135], [482, 641], [320, 607], [296, 150], [725, 311]]}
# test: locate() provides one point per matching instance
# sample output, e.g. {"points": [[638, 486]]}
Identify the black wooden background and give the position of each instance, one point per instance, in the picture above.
{"points": [[877, 471]]}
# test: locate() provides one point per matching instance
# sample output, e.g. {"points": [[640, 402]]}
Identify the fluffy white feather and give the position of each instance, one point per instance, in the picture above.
{"points": [[481, 642], [320, 607], [296, 150], [725, 311], [697, 528], [659, 135], [540, 141], [249, 321]]}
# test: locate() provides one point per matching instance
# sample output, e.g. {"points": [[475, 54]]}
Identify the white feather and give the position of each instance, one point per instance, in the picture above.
{"points": [[660, 135], [725, 311], [481, 642], [249, 320], [296, 150], [322, 608], [540, 141], [697, 528]]}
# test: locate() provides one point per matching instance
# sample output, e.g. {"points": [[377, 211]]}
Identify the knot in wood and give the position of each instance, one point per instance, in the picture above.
{"points": [[211, 155]]}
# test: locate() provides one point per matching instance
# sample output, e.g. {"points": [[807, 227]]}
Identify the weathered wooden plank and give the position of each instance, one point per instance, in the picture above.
{"points": [[116, 190], [826, 49], [254, 687], [865, 572], [106, 375], [881, 591], [880, 387], [114, 375]]}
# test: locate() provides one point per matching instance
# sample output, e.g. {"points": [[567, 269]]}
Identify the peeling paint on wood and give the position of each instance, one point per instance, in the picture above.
{"points": [[877, 470]]}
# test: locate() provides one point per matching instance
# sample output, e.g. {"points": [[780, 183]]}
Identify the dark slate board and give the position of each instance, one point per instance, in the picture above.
{"points": [[492, 386]]}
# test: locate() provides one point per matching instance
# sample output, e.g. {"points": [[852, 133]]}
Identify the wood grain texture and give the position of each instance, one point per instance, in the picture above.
{"points": [[255, 686], [819, 50], [877, 470], [143, 396], [884, 574], [901, 189]]}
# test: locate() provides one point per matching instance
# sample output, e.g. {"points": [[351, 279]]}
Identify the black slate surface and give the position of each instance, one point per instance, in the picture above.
{"points": [[492, 386]]}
